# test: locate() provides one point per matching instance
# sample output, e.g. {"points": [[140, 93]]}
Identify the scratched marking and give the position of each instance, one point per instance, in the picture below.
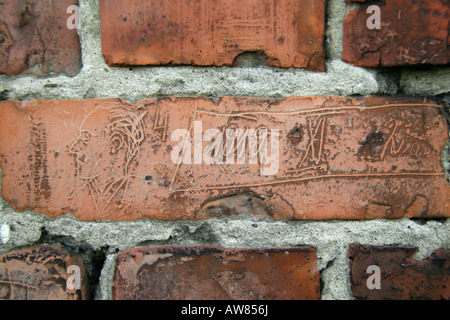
{"points": [[180, 159], [112, 163], [38, 162], [396, 144], [323, 176], [313, 159], [13, 284], [161, 123], [316, 142], [126, 135]]}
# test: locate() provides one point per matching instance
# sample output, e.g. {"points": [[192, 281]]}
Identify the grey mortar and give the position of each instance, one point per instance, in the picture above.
{"points": [[330, 238]]}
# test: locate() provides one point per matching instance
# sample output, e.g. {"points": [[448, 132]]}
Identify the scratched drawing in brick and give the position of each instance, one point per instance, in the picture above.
{"points": [[198, 158], [122, 138], [398, 139]]}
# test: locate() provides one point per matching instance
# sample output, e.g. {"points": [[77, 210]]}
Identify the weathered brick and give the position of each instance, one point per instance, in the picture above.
{"points": [[337, 158], [410, 34], [35, 39], [401, 276], [41, 273], [213, 32], [209, 273]]}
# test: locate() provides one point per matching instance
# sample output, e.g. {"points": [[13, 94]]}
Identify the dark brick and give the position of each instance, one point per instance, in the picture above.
{"points": [[34, 38], [40, 273], [209, 273], [401, 276], [411, 34]]}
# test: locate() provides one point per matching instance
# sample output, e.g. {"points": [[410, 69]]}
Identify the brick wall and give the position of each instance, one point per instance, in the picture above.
{"points": [[268, 150]]}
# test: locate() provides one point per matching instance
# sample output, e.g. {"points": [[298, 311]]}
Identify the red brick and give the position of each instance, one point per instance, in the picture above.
{"points": [[40, 273], [34, 38], [339, 158], [410, 34], [401, 276], [209, 273], [213, 32]]}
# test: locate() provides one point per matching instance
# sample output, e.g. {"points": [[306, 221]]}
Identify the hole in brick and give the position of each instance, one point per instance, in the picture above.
{"points": [[296, 134], [4, 95], [421, 221], [250, 59]]}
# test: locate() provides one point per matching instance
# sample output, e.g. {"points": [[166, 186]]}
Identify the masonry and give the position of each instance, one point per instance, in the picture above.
{"points": [[362, 170]]}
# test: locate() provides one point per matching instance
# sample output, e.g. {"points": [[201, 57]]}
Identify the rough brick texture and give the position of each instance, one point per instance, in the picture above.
{"points": [[40, 273], [410, 34], [401, 276], [198, 32], [35, 39], [326, 158], [208, 273]]}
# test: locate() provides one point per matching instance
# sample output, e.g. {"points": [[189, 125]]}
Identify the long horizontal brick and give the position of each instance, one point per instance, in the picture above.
{"points": [[410, 34], [42, 273], [35, 39], [213, 32], [209, 273], [326, 158], [400, 276]]}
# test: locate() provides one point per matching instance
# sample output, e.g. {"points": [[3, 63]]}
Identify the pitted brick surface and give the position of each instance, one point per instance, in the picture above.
{"points": [[199, 32]]}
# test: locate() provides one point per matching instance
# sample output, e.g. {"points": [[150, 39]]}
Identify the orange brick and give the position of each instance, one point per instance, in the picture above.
{"points": [[410, 34], [206, 32], [326, 158], [401, 277], [41, 273], [209, 273], [35, 39]]}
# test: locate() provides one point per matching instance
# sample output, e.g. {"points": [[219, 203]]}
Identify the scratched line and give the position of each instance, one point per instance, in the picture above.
{"points": [[18, 284], [296, 171], [180, 160], [349, 176], [319, 110]]}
